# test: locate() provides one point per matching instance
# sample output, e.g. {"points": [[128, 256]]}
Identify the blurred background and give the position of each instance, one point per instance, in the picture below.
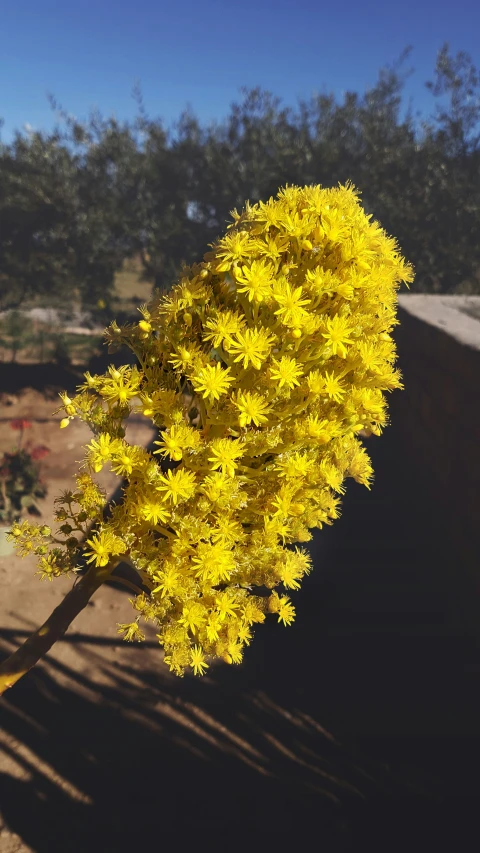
{"points": [[129, 133]]}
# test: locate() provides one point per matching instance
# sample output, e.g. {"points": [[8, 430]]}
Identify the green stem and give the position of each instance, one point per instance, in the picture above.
{"points": [[41, 641]]}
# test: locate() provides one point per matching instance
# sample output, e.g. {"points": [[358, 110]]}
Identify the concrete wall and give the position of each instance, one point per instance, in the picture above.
{"points": [[438, 414]]}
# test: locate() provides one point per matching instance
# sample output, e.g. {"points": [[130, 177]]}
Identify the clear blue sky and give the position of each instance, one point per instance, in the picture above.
{"points": [[89, 53]]}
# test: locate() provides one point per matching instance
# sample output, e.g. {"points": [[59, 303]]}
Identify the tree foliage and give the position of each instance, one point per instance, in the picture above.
{"points": [[75, 203]]}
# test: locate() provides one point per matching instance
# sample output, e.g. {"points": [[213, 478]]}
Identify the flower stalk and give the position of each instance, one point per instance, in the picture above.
{"points": [[40, 642], [261, 371]]}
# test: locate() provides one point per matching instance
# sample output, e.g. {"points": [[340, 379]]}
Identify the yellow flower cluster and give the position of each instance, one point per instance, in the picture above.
{"points": [[261, 369]]}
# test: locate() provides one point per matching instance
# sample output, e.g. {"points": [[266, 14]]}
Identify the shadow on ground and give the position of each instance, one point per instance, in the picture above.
{"points": [[357, 728], [50, 378]]}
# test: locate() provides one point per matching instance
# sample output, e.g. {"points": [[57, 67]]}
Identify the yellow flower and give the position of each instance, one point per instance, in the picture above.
{"points": [[212, 382], [322, 430], [320, 282], [286, 372], [184, 358], [214, 563], [293, 568], [284, 503], [244, 634], [153, 508], [168, 581], [338, 335], [125, 459], [103, 546], [227, 530], [178, 658], [225, 453], [225, 605], [100, 451], [67, 403], [252, 408], [193, 616], [197, 661], [234, 653], [282, 606], [50, 567], [233, 247], [131, 631], [333, 387], [217, 486], [286, 611], [272, 248], [178, 485], [255, 281], [294, 466], [89, 495], [222, 327], [176, 440], [121, 385], [252, 346], [292, 306]]}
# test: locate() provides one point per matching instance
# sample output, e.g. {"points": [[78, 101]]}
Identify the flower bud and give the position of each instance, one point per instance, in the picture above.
{"points": [[297, 509], [272, 604], [64, 423]]}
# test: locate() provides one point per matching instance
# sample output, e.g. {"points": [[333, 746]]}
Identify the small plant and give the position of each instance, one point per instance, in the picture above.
{"points": [[16, 333], [20, 481]]}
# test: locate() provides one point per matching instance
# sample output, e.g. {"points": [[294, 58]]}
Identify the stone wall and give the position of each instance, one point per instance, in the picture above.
{"points": [[438, 414]]}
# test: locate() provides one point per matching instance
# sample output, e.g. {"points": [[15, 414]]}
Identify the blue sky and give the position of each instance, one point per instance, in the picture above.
{"points": [[89, 53]]}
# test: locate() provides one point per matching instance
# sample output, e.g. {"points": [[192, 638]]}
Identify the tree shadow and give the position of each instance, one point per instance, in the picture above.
{"points": [[148, 756], [358, 726]]}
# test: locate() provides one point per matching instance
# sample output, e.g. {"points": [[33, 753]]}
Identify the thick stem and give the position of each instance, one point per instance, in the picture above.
{"points": [[41, 641]]}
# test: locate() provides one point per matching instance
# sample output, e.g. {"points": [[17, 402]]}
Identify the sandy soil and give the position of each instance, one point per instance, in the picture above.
{"points": [[352, 727]]}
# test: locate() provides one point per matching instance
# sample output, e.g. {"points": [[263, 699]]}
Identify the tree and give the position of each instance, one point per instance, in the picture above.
{"points": [[74, 204]]}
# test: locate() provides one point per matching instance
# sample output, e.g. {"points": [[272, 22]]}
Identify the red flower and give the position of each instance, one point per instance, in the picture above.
{"points": [[20, 424], [40, 452]]}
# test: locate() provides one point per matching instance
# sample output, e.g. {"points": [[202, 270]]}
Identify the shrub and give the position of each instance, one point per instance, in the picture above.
{"points": [[20, 482]]}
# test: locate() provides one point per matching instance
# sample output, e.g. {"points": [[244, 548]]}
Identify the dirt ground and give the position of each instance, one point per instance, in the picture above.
{"points": [[356, 728]]}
